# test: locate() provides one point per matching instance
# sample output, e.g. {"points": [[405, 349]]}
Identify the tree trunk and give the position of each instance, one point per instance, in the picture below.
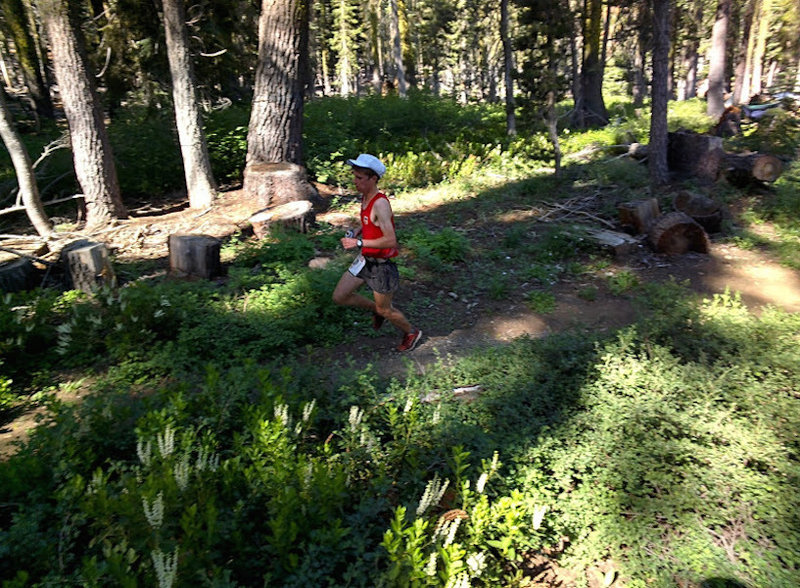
{"points": [[91, 149], [741, 89], [398, 49], [200, 182], [692, 49], [275, 132], [657, 164], [763, 15], [594, 108], [17, 23], [716, 74], [22, 166], [694, 155], [508, 69]]}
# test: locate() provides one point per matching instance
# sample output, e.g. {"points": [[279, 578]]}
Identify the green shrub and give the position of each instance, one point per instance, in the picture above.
{"points": [[446, 246]]}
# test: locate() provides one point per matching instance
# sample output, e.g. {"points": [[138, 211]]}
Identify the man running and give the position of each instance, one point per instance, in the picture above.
{"points": [[377, 241]]}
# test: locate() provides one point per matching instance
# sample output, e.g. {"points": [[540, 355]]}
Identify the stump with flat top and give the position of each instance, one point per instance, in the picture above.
{"points": [[297, 215], [639, 215], [273, 184], [89, 267], [704, 210], [694, 155], [194, 256], [677, 233]]}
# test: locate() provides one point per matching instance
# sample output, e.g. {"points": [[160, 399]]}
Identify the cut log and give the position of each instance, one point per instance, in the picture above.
{"points": [[89, 268], [638, 151], [618, 243], [298, 215], [676, 233], [704, 210], [273, 184], [639, 214], [194, 256], [748, 167], [694, 155]]}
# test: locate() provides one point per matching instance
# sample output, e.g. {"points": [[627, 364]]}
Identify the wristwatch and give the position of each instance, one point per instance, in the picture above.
{"points": [[359, 243]]}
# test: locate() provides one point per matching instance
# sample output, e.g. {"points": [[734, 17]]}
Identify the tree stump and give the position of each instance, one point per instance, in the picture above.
{"points": [[15, 275], [273, 184], [749, 167], [676, 233], [194, 256], [298, 215], [89, 268], [694, 155], [705, 211], [639, 214]]}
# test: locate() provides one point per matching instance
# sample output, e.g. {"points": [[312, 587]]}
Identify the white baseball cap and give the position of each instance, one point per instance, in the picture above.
{"points": [[368, 161]]}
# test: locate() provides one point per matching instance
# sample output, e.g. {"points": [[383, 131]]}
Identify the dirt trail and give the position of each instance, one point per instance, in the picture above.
{"points": [[474, 324]]}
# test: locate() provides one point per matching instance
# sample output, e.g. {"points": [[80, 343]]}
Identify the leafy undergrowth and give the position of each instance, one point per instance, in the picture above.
{"points": [[209, 449]]}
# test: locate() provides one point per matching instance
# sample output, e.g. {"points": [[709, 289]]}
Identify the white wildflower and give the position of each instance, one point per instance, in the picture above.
{"points": [[459, 581], [166, 567], [481, 484], [409, 405], [282, 414], [154, 513], [144, 451], [308, 409], [165, 301], [430, 569], [166, 441], [158, 314], [476, 563], [538, 515], [432, 495], [437, 415], [181, 470], [206, 460], [356, 414], [449, 532]]}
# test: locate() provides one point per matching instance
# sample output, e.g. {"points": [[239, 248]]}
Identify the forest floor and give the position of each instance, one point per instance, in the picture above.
{"points": [[454, 323]]}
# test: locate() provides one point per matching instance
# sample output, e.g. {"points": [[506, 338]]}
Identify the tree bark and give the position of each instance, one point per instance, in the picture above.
{"points": [[741, 85], [91, 149], [657, 164], [716, 74], [764, 15], [24, 170], [17, 23], [275, 132], [398, 49], [594, 108], [200, 182], [508, 69]]}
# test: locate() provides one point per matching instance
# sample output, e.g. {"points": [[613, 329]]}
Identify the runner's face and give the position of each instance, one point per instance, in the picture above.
{"points": [[364, 181]]}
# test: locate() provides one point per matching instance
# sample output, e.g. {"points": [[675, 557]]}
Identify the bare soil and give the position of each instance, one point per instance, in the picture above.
{"points": [[453, 323]]}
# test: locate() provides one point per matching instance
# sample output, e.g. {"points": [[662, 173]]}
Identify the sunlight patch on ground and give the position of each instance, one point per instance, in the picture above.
{"points": [[759, 283]]}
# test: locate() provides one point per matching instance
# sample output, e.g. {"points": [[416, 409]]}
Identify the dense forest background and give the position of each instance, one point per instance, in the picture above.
{"points": [[528, 55]]}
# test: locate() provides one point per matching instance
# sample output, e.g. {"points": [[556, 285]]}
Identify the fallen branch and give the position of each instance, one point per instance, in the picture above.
{"points": [[27, 256]]}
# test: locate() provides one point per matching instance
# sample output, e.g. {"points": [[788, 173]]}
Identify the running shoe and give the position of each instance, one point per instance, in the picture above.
{"points": [[410, 340]]}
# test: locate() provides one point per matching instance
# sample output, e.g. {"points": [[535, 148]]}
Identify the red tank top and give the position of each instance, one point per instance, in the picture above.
{"points": [[372, 231]]}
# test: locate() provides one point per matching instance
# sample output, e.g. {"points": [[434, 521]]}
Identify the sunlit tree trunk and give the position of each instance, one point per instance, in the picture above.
{"points": [[275, 132], [508, 69], [397, 53], [741, 84], [657, 150], [764, 16], [26, 179], [17, 22], [716, 73], [200, 182], [91, 149]]}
